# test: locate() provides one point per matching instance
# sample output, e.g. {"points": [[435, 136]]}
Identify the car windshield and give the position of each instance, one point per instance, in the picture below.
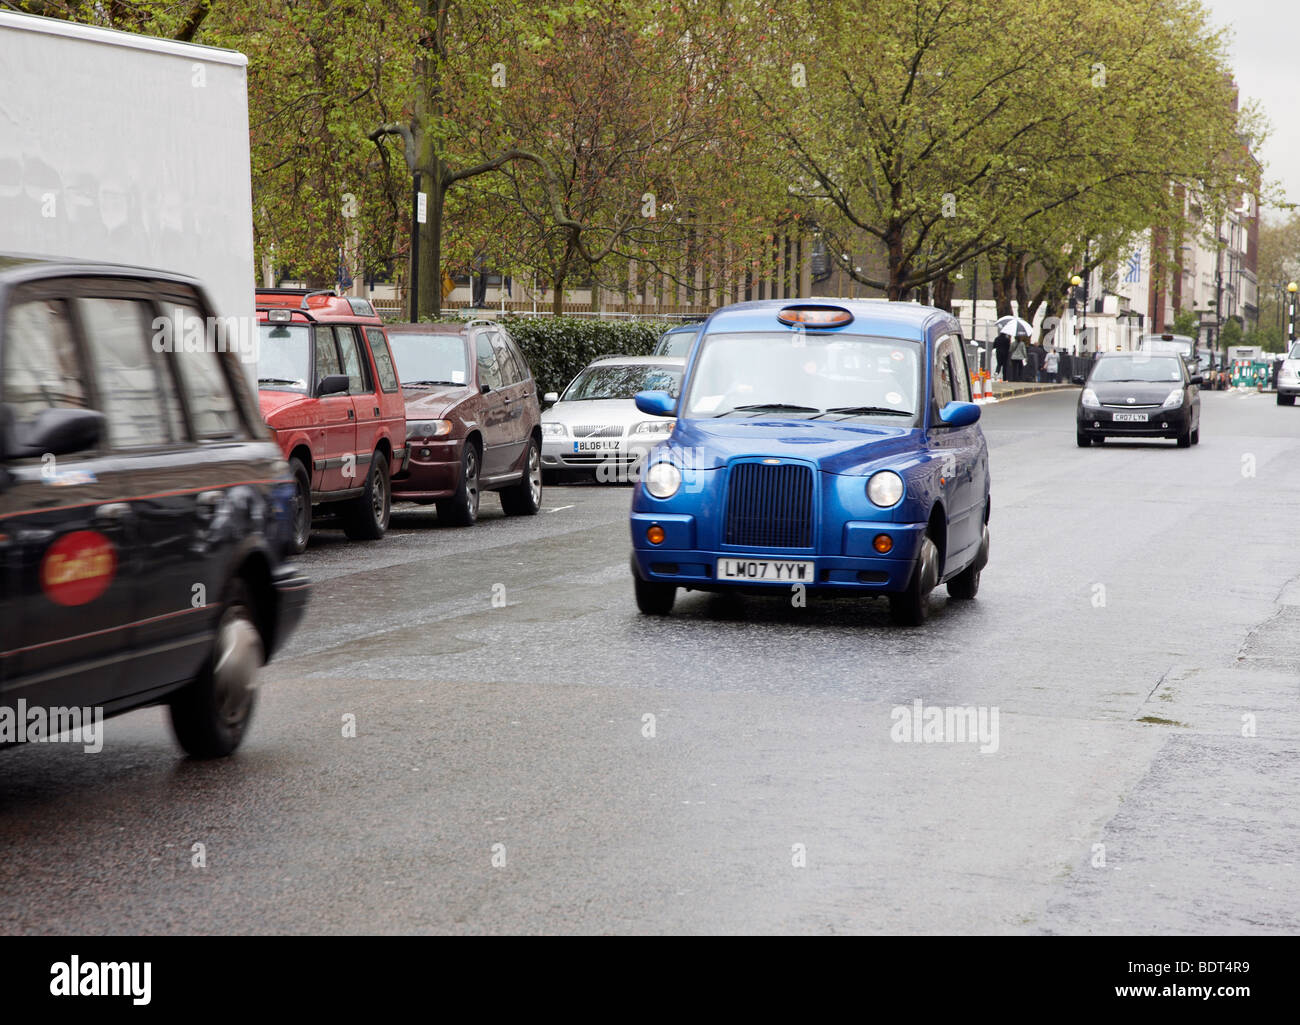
{"points": [[429, 359], [675, 343], [805, 375], [1152, 369], [284, 358], [1295, 351], [622, 381]]}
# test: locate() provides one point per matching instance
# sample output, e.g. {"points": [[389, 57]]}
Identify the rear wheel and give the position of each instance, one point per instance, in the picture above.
{"points": [[911, 607], [525, 498], [654, 599], [462, 509], [1082, 440], [211, 713], [365, 518], [300, 529]]}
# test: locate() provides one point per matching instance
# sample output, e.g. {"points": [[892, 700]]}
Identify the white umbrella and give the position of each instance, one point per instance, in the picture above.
{"points": [[1014, 326]]}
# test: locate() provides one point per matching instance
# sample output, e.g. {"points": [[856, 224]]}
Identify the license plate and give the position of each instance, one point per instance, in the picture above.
{"points": [[765, 569], [1130, 418], [596, 446]]}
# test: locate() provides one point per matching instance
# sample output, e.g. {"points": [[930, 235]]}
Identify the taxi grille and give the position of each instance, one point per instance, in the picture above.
{"points": [[769, 506]]}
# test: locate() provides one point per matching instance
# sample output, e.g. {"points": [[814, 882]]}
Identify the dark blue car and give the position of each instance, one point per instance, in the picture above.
{"points": [[828, 444]]}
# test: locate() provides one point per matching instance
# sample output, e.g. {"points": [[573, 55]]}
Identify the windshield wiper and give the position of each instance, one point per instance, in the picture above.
{"points": [[419, 383], [867, 410], [770, 407], [280, 380]]}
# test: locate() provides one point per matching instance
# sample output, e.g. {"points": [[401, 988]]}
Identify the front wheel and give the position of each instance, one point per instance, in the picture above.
{"points": [[211, 713], [654, 599], [1285, 400], [300, 528], [525, 498], [911, 607], [1082, 440], [1185, 438], [365, 518], [462, 509]]}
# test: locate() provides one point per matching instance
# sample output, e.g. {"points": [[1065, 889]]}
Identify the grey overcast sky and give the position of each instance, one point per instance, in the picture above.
{"points": [[1266, 61]]}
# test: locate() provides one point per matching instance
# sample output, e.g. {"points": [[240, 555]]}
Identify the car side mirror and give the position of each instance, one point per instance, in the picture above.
{"points": [[551, 396], [1197, 379], [959, 414], [1077, 379], [484, 389], [56, 432], [332, 384], [656, 403]]}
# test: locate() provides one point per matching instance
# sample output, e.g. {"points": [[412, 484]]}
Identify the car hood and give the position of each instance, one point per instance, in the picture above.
{"points": [[843, 448], [596, 411], [279, 404], [429, 403], [1143, 393]]}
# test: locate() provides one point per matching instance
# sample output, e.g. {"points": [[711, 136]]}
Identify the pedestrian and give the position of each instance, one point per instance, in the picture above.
{"points": [[1019, 355], [1002, 349], [1052, 365], [1036, 355]]}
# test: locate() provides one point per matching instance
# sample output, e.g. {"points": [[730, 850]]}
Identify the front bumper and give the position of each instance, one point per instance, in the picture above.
{"points": [[292, 589], [433, 471], [559, 454], [1160, 423], [680, 560]]}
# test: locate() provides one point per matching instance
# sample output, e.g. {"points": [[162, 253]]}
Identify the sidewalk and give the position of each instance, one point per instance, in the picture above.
{"points": [[1009, 389]]}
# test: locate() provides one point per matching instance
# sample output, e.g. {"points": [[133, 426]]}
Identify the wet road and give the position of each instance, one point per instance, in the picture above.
{"points": [[1137, 636]]}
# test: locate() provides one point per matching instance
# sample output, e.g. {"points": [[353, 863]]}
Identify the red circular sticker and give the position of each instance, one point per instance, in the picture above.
{"points": [[896, 355], [78, 567]]}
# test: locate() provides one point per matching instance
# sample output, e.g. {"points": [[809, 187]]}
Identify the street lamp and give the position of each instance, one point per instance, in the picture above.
{"points": [[1291, 288], [1075, 282]]}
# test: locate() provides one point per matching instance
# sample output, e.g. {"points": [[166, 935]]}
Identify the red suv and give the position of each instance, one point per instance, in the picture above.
{"points": [[330, 394]]}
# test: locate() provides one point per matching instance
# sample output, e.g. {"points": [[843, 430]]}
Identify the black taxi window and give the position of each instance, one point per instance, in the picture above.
{"points": [[41, 367]]}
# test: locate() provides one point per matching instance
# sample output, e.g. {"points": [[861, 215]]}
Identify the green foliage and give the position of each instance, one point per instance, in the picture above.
{"points": [[1230, 334], [558, 348], [1186, 322], [1268, 337]]}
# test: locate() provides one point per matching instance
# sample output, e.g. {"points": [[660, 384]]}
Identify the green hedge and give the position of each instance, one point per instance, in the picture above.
{"points": [[558, 348]]}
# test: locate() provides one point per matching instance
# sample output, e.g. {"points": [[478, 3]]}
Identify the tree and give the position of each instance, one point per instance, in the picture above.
{"points": [[937, 150]]}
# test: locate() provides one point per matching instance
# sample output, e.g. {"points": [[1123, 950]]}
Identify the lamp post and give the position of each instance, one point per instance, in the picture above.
{"points": [[1075, 282], [1291, 288]]}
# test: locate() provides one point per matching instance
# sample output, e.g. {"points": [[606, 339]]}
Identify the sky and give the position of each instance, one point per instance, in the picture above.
{"points": [[1266, 60]]}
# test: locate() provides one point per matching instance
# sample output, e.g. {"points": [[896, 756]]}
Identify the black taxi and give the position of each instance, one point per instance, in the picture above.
{"points": [[144, 513]]}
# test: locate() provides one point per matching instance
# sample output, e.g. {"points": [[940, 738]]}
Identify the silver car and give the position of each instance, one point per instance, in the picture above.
{"points": [[594, 429]]}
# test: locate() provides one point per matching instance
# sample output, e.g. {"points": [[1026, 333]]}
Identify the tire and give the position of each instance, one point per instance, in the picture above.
{"points": [[911, 607], [211, 713], [1285, 400], [300, 527], [525, 498], [1185, 439], [365, 518], [1082, 440], [1196, 436], [966, 584], [462, 510], [654, 599]]}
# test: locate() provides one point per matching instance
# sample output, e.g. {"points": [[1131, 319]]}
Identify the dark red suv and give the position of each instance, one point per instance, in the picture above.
{"points": [[330, 394], [473, 423]]}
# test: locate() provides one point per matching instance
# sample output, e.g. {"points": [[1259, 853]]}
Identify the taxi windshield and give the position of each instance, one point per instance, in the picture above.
{"points": [[622, 381], [805, 375], [429, 359], [284, 358]]}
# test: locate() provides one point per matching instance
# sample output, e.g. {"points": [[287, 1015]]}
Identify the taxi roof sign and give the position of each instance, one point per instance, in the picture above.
{"points": [[815, 316]]}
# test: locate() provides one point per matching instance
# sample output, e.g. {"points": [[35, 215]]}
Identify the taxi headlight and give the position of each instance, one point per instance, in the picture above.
{"points": [[662, 480], [552, 430], [1089, 399], [885, 488], [1173, 399]]}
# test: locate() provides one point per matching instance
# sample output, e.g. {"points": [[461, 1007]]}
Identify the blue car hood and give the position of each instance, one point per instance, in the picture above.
{"points": [[845, 448]]}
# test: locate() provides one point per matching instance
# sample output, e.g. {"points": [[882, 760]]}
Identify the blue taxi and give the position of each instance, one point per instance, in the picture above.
{"points": [[820, 444]]}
